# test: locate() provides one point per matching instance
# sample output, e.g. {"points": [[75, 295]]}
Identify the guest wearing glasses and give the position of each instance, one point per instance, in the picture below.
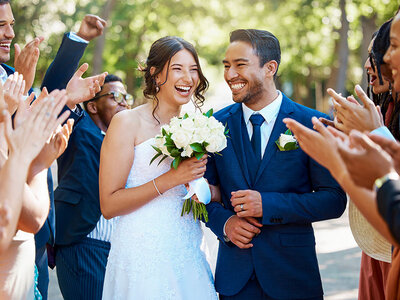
{"points": [[83, 235]]}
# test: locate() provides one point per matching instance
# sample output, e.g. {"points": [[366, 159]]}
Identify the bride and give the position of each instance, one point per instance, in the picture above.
{"points": [[155, 253]]}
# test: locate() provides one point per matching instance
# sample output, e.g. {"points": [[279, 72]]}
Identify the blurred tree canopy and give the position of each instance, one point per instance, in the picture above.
{"points": [[323, 42]]}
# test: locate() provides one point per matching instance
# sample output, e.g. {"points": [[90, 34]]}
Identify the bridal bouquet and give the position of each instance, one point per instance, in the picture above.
{"points": [[192, 135]]}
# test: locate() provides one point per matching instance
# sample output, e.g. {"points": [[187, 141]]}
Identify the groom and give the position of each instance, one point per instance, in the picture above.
{"points": [[269, 197]]}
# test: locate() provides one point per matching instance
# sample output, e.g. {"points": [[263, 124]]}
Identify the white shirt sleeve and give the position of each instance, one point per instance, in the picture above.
{"points": [[384, 132], [73, 36]]}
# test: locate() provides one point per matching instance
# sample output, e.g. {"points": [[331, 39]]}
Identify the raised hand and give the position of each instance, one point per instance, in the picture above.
{"points": [[321, 144], [13, 91], [25, 61], [241, 231], [33, 128], [354, 116], [390, 146], [91, 27], [53, 148], [82, 89], [366, 161], [247, 203]]}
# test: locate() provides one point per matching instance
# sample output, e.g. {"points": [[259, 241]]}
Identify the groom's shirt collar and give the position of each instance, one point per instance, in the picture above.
{"points": [[270, 112]]}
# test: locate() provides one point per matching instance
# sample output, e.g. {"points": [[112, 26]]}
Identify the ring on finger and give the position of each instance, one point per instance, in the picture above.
{"points": [[241, 207]]}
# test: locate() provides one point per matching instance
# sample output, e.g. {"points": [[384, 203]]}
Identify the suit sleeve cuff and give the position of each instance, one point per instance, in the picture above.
{"points": [[74, 37]]}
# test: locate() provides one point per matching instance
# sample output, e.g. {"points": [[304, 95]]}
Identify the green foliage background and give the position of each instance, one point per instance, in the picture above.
{"points": [[308, 32]]}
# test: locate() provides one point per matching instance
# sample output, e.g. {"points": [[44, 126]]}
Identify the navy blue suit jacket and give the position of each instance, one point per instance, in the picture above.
{"points": [[77, 195], [295, 190], [57, 76]]}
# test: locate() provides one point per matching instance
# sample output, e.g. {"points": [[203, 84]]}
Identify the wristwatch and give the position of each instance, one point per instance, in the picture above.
{"points": [[389, 176]]}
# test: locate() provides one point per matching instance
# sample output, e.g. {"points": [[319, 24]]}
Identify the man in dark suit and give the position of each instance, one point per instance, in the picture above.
{"points": [[270, 197], [83, 235], [57, 76]]}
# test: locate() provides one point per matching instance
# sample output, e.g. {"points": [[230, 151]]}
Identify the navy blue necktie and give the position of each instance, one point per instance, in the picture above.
{"points": [[256, 120]]}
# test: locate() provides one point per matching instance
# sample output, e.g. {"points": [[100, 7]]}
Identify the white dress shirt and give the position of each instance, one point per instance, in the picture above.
{"points": [[104, 227], [270, 112], [3, 74]]}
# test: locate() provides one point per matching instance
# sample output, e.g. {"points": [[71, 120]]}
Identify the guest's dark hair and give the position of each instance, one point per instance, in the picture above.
{"points": [[109, 78], [265, 44], [160, 54], [380, 46], [5, 2]]}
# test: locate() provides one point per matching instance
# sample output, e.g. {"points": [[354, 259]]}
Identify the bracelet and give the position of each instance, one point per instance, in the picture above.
{"points": [[155, 186], [380, 181]]}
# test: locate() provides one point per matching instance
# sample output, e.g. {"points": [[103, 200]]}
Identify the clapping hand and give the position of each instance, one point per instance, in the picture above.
{"points": [[25, 61], [53, 148], [390, 146], [91, 27], [321, 144], [365, 160], [13, 91], [366, 117], [34, 127], [82, 89]]}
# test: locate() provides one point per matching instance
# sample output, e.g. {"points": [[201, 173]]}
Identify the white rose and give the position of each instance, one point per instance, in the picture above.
{"points": [[216, 143], [160, 141], [213, 123], [181, 138], [200, 121], [166, 128], [187, 152], [187, 124], [286, 138]]}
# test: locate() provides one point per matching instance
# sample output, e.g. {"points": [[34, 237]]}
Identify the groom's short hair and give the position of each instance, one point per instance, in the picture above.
{"points": [[264, 43]]}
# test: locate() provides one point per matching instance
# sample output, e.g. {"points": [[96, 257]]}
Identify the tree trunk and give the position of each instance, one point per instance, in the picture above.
{"points": [[343, 51], [368, 26], [100, 41]]}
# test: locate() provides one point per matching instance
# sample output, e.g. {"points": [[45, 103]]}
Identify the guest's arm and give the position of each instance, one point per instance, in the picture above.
{"points": [[388, 198]]}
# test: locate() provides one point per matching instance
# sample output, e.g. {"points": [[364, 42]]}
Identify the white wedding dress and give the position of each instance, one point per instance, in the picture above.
{"points": [[155, 253]]}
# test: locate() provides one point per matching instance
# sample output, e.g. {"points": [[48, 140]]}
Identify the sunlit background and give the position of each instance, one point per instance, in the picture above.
{"points": [[324, 43]]}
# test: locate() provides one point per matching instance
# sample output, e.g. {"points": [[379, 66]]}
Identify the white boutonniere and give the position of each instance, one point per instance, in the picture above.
{"points": [[287, 141]]}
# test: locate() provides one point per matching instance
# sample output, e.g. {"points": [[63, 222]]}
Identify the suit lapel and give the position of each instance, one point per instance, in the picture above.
{"points": [[235, 131], [279, 127]]}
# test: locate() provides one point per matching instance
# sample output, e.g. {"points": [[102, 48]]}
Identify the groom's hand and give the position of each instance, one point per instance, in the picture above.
{"points": [[241, 231], [247, 203]]}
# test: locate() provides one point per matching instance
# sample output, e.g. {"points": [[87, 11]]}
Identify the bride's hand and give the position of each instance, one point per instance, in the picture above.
{"points": [[190, 169]]}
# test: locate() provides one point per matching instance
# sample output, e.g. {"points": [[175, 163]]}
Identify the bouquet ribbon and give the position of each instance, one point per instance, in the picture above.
{"points": [[201, 189]]}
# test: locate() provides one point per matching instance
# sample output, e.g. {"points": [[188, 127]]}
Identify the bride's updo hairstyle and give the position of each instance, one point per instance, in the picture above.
{"points": [[160, 54]]}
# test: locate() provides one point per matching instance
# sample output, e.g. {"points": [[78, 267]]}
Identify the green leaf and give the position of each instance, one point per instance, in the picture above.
{"points": [[279, 146], [175, 163], [157, 149], [155, 157], [291, 146], [288, 132], [197, 147], [164, 157], [209, 113], [199, 155], [175, 153], [164, 132], [185, 116]]}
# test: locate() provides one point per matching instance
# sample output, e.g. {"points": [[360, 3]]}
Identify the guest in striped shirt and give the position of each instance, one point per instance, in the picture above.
{"points": [[82, 234]]}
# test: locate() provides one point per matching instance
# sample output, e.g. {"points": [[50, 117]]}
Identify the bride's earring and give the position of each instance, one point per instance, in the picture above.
{"points": [[157, 89]]}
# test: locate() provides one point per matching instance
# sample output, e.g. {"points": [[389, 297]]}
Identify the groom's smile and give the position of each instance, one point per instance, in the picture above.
{"points": [[243, 72]]}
